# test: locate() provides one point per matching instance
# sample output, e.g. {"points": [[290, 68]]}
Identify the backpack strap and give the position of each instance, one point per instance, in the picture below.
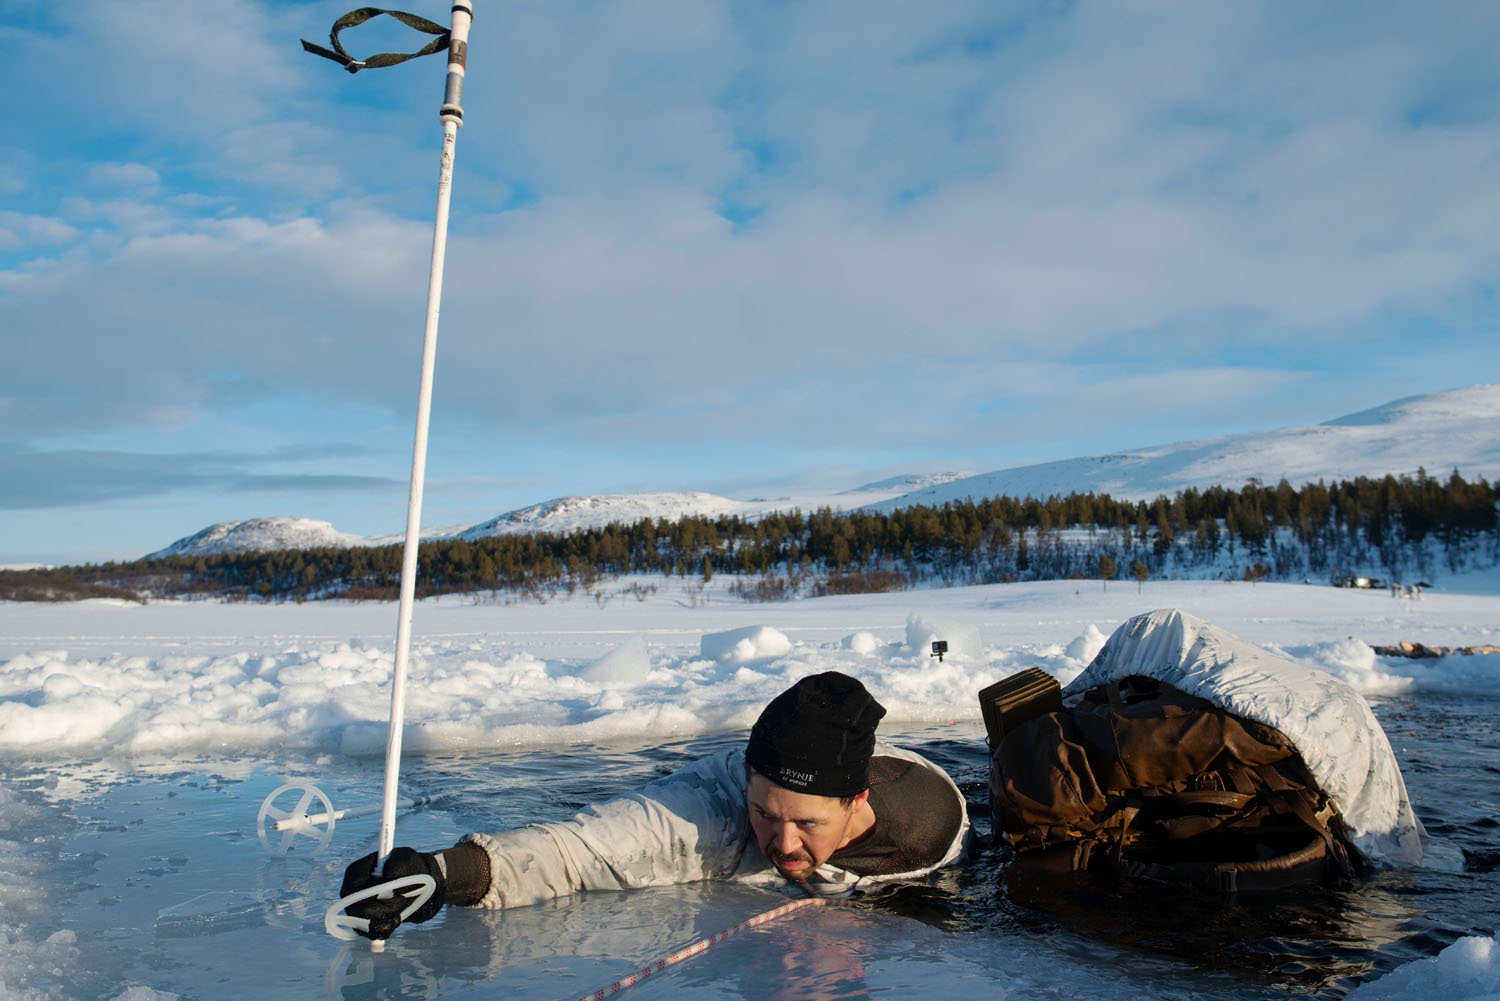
{"points": [[1222, 798], [1126, 814]]}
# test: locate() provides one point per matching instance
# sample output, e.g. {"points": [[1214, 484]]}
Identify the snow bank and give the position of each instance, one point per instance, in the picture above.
{"points": [[476, 691], [1357, 664], [94, 678]]}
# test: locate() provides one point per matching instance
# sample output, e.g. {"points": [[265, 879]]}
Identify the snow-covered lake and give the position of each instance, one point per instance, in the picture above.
{"points": [[137, 743]]}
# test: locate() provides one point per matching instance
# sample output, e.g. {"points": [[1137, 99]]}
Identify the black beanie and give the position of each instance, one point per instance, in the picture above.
{"points": [[817, 737]]}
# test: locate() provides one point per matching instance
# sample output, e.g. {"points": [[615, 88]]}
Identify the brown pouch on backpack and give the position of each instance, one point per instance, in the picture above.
{"points": [[1164, 785]]}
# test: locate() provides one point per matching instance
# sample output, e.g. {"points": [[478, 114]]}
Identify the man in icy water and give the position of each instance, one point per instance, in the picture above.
{"points": [[812, 802]]}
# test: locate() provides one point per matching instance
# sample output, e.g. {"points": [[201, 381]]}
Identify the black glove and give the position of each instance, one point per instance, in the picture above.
{"points": [[385, 915]]}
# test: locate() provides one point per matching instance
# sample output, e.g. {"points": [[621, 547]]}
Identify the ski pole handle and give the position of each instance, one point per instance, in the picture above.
{"points": [[458, 54], [346, 927]]}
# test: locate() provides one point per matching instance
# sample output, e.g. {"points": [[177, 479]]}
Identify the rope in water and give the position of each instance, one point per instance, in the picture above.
{"points": [[699, 947]]}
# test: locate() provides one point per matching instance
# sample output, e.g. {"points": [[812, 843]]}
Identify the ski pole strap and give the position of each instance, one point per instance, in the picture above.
{"points": [[363, 14]]}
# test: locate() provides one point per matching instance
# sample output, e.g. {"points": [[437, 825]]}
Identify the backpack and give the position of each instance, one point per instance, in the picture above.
{"points": [[1159, 784]]}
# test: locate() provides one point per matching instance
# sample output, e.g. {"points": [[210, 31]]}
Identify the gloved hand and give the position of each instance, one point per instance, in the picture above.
{"points": [[385, 914]]}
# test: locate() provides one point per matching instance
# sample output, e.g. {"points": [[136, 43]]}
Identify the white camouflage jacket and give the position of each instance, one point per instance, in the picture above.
{"points": [[688, 826]]}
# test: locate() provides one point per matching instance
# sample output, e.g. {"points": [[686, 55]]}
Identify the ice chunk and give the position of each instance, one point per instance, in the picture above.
{"points": [[623, 667], [1468, 970], [741, 645], [1086, 647], [140, 992], [210, 914]]}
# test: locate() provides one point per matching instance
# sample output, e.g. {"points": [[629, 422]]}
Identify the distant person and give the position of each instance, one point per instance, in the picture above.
{"points": [[812, 802]]}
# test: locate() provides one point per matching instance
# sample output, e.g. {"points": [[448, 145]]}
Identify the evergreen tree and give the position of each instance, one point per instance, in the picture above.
{"points": [[1105, 569]]}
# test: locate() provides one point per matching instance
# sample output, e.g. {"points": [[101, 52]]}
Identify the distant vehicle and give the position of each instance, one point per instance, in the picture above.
{"points": [[1354, 580]]}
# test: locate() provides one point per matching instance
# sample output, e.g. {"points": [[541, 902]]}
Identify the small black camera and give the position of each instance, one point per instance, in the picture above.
{"points": [[939, 647]]}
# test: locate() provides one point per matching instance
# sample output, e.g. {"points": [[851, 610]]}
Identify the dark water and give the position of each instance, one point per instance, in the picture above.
{"points": [[155, 872], [1318, 943]]}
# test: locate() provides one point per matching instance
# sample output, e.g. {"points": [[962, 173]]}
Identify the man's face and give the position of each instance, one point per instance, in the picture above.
{"points": [[797, 832]]}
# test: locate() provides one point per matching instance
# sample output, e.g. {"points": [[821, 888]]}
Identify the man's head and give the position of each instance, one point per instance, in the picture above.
{"points": [[809, 770]]}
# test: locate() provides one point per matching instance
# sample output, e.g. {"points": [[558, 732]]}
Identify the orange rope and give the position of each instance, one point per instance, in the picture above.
{"points": [[700, 946]]}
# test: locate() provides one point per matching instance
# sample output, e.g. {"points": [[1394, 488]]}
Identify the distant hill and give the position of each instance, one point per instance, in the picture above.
{"points": [[1439, 432], [905, 484], [569, 514], [560, 516], [261, 535], [1457, 429]]}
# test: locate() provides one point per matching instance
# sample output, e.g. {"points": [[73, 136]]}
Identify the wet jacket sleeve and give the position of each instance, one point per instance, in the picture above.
{"points": [[689, 826]]}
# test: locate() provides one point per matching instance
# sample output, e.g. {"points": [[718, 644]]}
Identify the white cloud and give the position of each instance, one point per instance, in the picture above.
{"points": [[177, 66], [124, 175], [954, 206], [19, 231], [124, 217], [12, 176]]}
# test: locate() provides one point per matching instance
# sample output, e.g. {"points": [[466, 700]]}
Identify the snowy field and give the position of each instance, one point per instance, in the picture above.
{"points": [[97, 700]]}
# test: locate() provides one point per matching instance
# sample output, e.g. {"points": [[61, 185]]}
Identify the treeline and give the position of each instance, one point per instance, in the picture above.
{"points": [[1399, 526]]}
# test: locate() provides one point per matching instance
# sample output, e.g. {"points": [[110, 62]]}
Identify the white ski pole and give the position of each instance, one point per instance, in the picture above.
{"points": [[452, 117], [451, 114]]}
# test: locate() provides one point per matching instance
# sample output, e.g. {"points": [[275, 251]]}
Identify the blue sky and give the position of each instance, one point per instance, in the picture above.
{"points": [[737, 247]]}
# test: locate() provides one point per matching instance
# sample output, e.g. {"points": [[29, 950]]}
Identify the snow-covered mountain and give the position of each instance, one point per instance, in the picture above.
{"points": [[260, 534], [559, 515], [906, 484], [570, 514], [1439, 432], [1457, 429], [562, 515]]}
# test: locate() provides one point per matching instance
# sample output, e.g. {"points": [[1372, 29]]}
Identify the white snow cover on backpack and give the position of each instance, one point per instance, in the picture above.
{"points": [[1331, 725]]}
